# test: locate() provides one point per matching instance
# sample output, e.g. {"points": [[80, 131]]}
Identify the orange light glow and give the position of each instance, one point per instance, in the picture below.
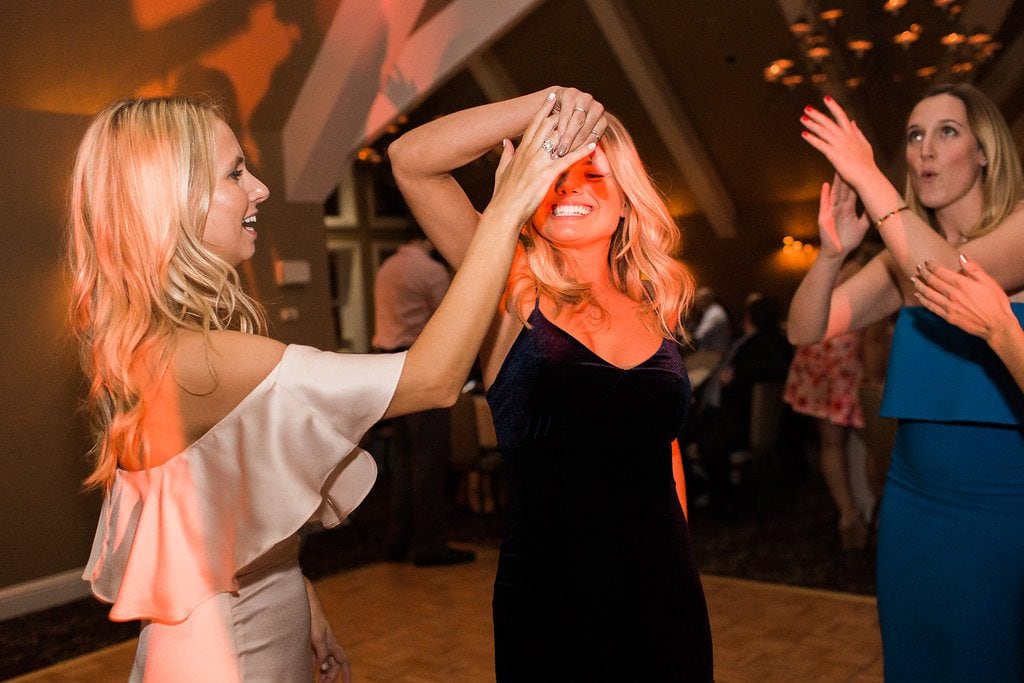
{"points": [[149, 15], [248, 60]]}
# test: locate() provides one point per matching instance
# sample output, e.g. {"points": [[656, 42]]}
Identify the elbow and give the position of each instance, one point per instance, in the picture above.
{"points": [[443, 393], [398, 154], [796, 338]]}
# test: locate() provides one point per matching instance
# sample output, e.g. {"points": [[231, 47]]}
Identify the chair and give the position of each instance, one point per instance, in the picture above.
{"points": [[760, 461]]}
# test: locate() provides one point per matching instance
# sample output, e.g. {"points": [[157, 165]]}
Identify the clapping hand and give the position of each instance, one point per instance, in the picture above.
{"points": [[970, 299], [839, 226], [841, 141]]}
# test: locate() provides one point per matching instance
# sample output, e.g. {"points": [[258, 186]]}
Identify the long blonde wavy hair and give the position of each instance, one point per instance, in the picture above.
{"points": [[139, 197], [641, 255], [1002, 180]]}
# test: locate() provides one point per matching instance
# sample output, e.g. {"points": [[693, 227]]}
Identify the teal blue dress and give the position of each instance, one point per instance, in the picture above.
{"points": [[951, 535]]}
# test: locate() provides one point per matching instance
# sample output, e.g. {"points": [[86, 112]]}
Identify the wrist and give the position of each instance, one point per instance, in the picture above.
{"points": [[1006, 335]]}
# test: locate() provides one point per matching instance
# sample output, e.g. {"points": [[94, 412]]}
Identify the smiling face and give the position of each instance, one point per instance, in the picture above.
{"points": [[230, 230], [583, 206], [943, 155]]}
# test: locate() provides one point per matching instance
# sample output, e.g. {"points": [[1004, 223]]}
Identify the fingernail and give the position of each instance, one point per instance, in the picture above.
{"points": [[828, 98], [562, 150], [804, 133], [805, 118], [592, 145], [963, 259], [918, 266], [913, 280], [808, 109], [551, 95], [504, 143]]}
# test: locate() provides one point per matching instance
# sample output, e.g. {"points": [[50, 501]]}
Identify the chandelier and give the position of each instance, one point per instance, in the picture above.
{"points": [[896, 41]]}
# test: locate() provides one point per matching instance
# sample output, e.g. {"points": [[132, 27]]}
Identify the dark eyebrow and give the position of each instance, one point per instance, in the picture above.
{"points": [[239, 160]]}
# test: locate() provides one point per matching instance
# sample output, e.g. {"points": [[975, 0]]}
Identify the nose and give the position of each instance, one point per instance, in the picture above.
{"points": [[260, 192], [925, 149], [566, 183]]}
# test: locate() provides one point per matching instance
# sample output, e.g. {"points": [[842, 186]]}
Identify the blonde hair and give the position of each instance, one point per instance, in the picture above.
{"points": [[641, 255], [1002, 181], [139, 197]]}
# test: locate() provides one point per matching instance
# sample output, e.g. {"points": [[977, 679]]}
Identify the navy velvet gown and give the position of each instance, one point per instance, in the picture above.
{"points": [[951, 534], [596, 579]]}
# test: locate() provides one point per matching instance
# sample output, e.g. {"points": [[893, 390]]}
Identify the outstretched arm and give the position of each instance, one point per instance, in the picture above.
{"points": [[908, 238], [975, 303], [440, 359]]}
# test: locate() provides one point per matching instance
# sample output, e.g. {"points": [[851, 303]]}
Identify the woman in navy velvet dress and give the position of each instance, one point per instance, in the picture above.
{"points": [[951, 539], [596, 578]]}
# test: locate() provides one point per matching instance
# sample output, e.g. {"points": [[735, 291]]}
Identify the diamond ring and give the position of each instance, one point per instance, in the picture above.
{"points": [[547, 145]]}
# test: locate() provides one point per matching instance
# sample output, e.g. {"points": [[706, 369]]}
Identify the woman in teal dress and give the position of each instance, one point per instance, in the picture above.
{"points": [[951, 539]]}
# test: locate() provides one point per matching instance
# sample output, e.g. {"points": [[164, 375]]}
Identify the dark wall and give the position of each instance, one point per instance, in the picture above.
{"points": [[46, 521]]}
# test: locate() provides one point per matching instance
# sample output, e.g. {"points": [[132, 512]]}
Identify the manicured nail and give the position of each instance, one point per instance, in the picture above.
{"points": [[828, 98], [805, 118], [963, 259], [913, 280], [551, 95], [808, 109], [919, 269], [504, 143], [804, 133], [562, 150], [592, 145]]}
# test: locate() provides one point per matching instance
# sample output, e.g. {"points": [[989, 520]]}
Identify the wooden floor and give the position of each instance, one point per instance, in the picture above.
{"points": [[399, 623]]}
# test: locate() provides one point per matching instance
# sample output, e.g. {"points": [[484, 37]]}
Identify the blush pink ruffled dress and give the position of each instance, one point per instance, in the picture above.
{"points": [[204, 548]]}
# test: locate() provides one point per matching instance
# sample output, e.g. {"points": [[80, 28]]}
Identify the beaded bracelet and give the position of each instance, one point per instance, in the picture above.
{"points": [[878, 223]]}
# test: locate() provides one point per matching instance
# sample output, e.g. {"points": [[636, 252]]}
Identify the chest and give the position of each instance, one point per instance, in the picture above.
{"points": [[618, 333]]}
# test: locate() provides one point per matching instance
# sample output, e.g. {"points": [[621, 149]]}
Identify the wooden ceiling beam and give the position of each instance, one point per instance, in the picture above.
{"points": [[372, 67], [652, 87]]}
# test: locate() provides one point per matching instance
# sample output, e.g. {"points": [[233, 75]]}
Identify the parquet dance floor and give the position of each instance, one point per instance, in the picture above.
{"points": [[403, 624]]}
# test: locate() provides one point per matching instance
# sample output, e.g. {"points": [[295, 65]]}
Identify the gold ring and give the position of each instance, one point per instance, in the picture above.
{"points": [[580, 109]]}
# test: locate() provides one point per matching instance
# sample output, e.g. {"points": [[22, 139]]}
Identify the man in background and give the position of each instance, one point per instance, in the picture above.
{"points": [[407, 290]]}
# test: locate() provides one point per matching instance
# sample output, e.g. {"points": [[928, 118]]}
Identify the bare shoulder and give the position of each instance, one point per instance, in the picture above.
{"points": [[224, 361]]}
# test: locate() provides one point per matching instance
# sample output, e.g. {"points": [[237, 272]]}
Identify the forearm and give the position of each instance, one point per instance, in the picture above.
{"points": [[440, 146], [909, 239], [1008, 343], [441, 358], [811, 307]]}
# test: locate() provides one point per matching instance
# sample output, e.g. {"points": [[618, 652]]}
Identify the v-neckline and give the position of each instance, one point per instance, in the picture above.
{"points": [[593, 353]]}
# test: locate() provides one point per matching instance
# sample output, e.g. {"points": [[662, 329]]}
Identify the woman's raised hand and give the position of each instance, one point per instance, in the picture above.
{"points": [[841, 141], [581, 119], [524, 175], [841, 229], [970, 299]]}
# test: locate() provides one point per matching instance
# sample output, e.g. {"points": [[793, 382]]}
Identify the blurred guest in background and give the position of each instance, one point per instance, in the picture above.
{"points": [[761, 354], [407, 290]]}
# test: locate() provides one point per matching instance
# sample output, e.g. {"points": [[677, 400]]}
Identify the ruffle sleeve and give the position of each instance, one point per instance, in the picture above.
{"points": [[174, 535], [940, 373]]}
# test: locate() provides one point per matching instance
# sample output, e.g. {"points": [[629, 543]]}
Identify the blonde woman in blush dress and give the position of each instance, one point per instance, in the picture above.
{"points": [[596, 578], [215, 444]]}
